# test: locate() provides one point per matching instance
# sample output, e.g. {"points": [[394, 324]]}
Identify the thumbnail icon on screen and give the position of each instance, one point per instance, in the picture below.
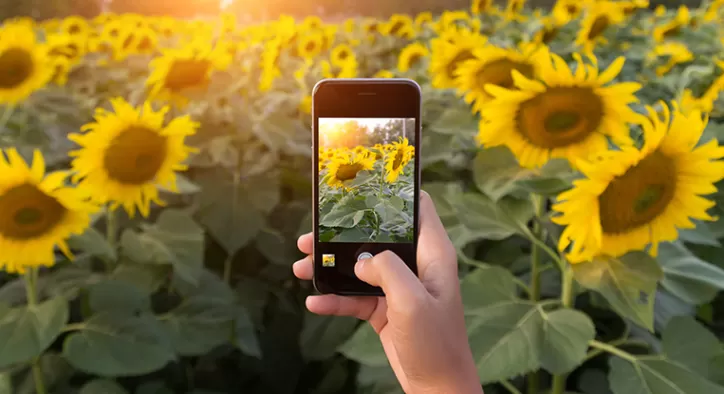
{"points": [[327, 260]]}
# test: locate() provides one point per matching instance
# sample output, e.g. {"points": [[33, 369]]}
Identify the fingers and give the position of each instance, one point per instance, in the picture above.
{"points": [[386, 270], [331, 304], [304, 268], [305, 243], [436, 256]]}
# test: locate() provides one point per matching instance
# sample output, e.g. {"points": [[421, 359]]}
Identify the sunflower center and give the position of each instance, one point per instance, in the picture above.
{"points": [[184, 74], [397, 27], [638, 196], [348, 172], [598, 26], [465, 54], [26, 212], [560, 116], [549, 35], [343, 55], [16, 66], [414, 59], [135, 156], [571, 9], [672, 31], [398, 160], [311, 46], [499, 72]]}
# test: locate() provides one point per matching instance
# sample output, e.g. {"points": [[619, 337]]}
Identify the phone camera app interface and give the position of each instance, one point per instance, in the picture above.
{"points": [[366, 181]]}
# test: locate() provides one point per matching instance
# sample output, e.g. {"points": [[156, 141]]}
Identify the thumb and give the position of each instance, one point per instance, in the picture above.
{"points": [[386, 270]]}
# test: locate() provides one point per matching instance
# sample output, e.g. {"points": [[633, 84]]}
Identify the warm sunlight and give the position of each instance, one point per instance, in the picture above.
{"points": [[350, 132]]}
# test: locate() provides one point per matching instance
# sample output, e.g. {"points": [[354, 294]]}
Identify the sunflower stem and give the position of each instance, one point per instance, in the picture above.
{"points": [[31, 281], [111, 231], [539, 202], [559, 381], [234, 201], [7, 113]]}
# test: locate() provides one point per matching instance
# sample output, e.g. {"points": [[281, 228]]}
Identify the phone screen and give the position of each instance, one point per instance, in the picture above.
{"points": [[366, 135]]}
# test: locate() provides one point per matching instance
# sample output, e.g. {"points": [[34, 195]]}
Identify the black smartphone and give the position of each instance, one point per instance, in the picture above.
{"points": [[366, 177]]}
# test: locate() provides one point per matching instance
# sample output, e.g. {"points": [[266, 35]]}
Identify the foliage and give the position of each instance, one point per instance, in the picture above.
{"points": [[198, 296]]}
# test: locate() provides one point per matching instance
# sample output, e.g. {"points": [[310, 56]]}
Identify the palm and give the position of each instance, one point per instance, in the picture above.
{"points": [[378, 320]]}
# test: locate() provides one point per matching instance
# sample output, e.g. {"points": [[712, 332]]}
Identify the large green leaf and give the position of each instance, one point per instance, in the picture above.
{"points": [[6, 383], [687, 276], [322, 335], [119, 345], [486, 286], [690, 344], [493, 220], [496, 172], [566, 334], [365, 347], [628, 283], [344, 215], [27, 331], [118, 296], [553, 178], [102, 386], [235, 212], [505, 340], [199, 324], [656, 375], [175, 239]]}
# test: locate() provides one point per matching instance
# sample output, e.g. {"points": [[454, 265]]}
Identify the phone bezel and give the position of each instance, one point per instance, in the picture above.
{"points": [[364, 97]]}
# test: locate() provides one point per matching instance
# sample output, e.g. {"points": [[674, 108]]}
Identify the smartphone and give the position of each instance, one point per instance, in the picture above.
{"points": [[366, 177]]}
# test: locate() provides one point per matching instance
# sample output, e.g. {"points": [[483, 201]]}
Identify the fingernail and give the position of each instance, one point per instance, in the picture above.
{"points": [[359, 266]]}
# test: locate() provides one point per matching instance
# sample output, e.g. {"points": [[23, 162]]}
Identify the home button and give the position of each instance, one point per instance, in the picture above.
{"points": [[364, 255]]}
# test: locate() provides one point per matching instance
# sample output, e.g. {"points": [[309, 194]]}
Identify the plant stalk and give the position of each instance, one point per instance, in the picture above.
{"points": [[235, 200], [559, 381], [535, 264], [31, 281]]}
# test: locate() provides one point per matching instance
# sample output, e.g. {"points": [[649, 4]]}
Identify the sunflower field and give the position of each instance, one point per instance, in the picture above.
{"points": [[367, 195], [155, 174]]}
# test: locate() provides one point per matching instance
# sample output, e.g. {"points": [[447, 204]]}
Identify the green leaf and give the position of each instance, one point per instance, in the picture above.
{"points": [[690, 344], [245, 337], [185, 186], [656, 375], [27, 331], [149, 278], [67, 280], [492, 220], [199, 324], [566, 334], [322, 335], [6, 383], [628, 283], [119, 345], [687, 276], [118, 296], [344, 215], [102, 386], [175, 239], [486, 286], [351, 235], [554, 177], [365, 347], [93, 243], [235, 212], [505, 339], [700, 235], [496, 172]]}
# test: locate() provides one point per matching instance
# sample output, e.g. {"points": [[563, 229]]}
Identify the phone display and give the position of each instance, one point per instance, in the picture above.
{"points": [[366, 139]]}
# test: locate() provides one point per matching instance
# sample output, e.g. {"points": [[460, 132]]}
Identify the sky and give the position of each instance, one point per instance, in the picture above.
{"points": [[369, 122]]}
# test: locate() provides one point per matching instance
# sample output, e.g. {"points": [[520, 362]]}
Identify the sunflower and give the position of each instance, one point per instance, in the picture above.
{"points": [[70, 47], [384, 74], [494, 65], [705, 102], [632, 199], [310, 44], [598, 18], [712, 12], [37, 213], [345, 167], [399, 154], [61, 69], [269, 68], [675, 52], [449, 50], [399, 25], [346, 70], [550, 27], [24, 65], [411, 55], [75, 25], [568, 115], [478, 7], [125, 154], [341, 54], [674, 26], [181, 71], [631, 6], [423, 19], [514, 8], [567, 10]]}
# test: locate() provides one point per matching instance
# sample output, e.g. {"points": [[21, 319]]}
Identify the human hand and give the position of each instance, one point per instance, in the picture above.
{"points": [[420, 321]]}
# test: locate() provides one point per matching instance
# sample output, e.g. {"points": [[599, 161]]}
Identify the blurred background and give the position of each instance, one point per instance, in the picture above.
{"points": [[250, 10]]}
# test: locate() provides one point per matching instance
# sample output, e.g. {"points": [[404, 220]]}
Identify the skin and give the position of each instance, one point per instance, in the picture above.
{"points": [[420, 321]]}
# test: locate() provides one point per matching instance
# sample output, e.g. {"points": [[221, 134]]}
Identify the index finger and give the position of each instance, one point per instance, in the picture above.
{"points": [[305, 243]]}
